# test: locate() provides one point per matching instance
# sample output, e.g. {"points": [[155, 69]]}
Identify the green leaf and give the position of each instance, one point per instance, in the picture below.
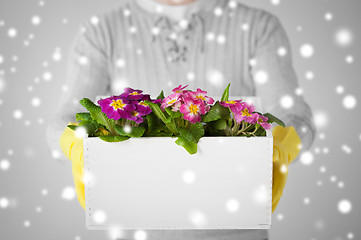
{"points": [[272, 119], [97, 115], [220, 124], [72, 127], [225, 95], [90, 126], [216, 112], [173, 114], [134, 131], [83, 116], [191, 147], [113, 138], [193, 133], [161, 95], [158, 112]]}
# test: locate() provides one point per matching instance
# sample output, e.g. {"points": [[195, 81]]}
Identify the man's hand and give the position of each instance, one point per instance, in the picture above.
{"points": [[72, 147], [286, 147]]}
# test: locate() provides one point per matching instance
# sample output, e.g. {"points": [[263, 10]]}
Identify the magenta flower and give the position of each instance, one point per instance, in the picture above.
{"points": [[170, 100], [143, 108], [234, 105], [202, 95], [192, 110], [132, 94], [179, 89], [244, 112], [262, 120], [116, 107]]}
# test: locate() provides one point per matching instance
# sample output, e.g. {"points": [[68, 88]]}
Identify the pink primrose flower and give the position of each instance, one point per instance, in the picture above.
{"points": [[261, 120], [192, 110], [244, 112], [179, 89], [170, 100]]}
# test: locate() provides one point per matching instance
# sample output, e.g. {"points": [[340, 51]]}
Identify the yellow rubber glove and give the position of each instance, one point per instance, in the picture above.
{"points": [[286, 147], [72, 147]]}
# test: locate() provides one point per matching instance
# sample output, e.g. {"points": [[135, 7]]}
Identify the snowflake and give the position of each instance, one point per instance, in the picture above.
{"points": [[349, 102], [188, 177], [99, 216], [344, 206], [68, 193], [221, 39], [307, 50], [36, 102], [12, 32], [232, 205], [18, 114], [35, 20], [275, 2], [218, 11], [343, 37], [309, 75], [197, 218], [286, 102], [340, 89], [307, 158], [320, 119], [349, 59], [261, 77], [328, 16], [215, 78]]}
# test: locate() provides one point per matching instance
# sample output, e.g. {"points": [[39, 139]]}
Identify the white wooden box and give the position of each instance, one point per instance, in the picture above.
{"points": [[152, 183]]}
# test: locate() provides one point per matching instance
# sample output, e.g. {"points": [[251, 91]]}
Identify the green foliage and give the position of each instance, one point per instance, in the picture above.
{"points": [[225, 95], [156, 128], [98, 116], [113, 138], [72, 127], [134, 131], [83, 116], [216, 112], [173, 114], [191, 147], [220, 124], [158, 112], [272, 119], [161, 95], [193, 133]]}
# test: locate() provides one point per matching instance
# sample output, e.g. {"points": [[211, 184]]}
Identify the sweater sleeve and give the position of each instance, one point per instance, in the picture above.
{"points": [[87, 76], [276, 81]]}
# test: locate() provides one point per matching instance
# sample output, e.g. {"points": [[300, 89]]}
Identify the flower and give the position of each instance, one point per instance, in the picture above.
{"points": [[179, 89], [131, 94], [170, 100], [201, 95], [244, 112], [143, 108], [192, 110], [234, 105], [116, 107], [136, 117], [262, 120]]}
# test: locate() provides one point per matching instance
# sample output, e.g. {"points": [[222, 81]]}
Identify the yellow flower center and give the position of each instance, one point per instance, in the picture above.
{"points": [[134, 113], [143, 104], [193, 109], [246, 113], [260, 120], [134, 93], [171, 102], [200, 97], [231, 102], [118, 104]]}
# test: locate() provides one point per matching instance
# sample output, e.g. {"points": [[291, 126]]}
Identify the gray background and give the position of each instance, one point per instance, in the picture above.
{"points": [[334, 174]]}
